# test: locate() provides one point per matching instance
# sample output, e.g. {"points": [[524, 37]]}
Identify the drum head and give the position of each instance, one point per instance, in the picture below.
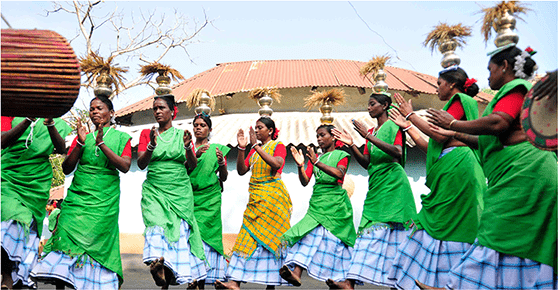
{"points": [[539, 119]]}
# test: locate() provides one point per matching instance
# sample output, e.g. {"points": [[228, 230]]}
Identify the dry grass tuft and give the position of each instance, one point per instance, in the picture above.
{"points": [[93, 65], [375, 64], [258, 93], [443, 32], [193, 99], [492, 14], [149, 70], [334, 96]]}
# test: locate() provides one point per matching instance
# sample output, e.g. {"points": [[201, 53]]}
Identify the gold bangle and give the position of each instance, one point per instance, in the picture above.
{"points": [[451, 123]]}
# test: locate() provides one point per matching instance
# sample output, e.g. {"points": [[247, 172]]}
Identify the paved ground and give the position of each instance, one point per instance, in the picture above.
{"points": [[137, 276]]}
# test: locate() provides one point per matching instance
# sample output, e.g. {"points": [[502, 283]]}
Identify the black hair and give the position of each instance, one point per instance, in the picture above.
{"points": [[509, 55], [205, 118], [105, 100], [269, 123], [169, 99], [458, 78], [327, 127], [382, 99]]}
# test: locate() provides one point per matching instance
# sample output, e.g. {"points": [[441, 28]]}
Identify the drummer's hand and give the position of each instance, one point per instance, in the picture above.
{"points": [[187, 138], [440, 118], [342, 136], [153, 136], [252, 136], [81, 131], [548, 87], [241, 140], [99, 137], [298, 156], [311, 154], [404, 107], [201, 150]]}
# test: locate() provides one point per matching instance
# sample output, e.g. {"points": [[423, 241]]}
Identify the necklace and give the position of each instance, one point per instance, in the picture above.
{"points": [[161, 138], [30, 136], [97, 147]]}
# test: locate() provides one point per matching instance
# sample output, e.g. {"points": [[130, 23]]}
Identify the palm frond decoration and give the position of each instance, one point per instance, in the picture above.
{"points": [[375, 64], [491, 14], [258, 93], [94, 64], [149, 70], [444, 32], [193, 99], [333, 96]]}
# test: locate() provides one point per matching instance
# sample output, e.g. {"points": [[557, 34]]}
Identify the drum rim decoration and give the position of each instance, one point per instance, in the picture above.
{"points": [[538, 140]]}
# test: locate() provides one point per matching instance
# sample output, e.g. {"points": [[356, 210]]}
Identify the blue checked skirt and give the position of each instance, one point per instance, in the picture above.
{"points": [[484, 268], [322, 254], [374, 252], [22, 250], [424, 258], [261, 268], [185, 266], [217, 264], [82, 272]]}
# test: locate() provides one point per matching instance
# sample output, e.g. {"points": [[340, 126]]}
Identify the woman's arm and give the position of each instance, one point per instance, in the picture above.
{"points": [[344, 137], [396, 117], [192, 161], [71, 160], [275, 162], [57, 140], [122, 163], [390, 149], [10, 136], [336, 172], [469, 140], [222, 168], [145, 156], [493, 124], [241, 145], [299, 159]]}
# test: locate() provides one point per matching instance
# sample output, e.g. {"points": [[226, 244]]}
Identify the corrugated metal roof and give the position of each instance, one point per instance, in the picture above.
{"points": [[244, 76]]}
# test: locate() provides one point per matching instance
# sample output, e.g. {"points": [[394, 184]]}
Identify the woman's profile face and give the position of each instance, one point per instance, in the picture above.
{"points": [[262, 132], [444, 89], [375, 108], [495, 79]]}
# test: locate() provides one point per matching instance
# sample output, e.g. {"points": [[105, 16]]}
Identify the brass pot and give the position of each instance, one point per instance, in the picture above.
{"points": [[326, 109], [103, 88], [203, 105], [265, 103], [164, 86], [380, 84], [504, 28], [447, 48]]}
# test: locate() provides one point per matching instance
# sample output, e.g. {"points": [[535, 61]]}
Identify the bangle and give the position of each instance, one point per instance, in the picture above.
{"points": [[241, 148], [49, 124], [79, 143], [299, 166], [451, 123], [407, 128], [100, 143], [368, 134], [408, 115], [255, 145], [189, 147], [316, 161], [150, 147], [29, 119], [221, 164]]}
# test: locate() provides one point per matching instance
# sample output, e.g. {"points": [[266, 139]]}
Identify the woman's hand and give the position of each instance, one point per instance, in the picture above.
{"points": [[311, 154], [396, 117], [252, 136], [187, 138], [441, 131], [440, 118], [241, 140], [548, 87], [298, 156], [99, 137], [201, 150], [153, 136], [48, 121], [81, 131], [219, 155], [343, 136], [360, 128], [404, 107]]}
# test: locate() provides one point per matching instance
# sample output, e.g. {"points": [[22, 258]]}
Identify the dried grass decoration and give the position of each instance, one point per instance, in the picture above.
{"points": [[493, 13], [93, 65], [333, 96], [258, 93], [374, 65], [148, 71], [193, 99], [443, 33]]}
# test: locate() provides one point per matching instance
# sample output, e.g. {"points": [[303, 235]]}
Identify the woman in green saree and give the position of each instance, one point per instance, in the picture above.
{"points": [[172, 247], [83, 251]]}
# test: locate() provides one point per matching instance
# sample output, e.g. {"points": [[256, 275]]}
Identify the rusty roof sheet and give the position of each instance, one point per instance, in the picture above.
{"points": [[244, 76]]}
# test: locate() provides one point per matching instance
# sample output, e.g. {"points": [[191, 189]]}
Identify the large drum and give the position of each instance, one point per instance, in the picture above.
{"points": [[40, 74]]}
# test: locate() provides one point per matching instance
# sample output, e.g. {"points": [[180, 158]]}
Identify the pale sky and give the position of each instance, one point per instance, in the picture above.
{"points": [[309, 30]]}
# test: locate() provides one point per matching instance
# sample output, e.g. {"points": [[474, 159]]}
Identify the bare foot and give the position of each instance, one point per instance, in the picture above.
{"points": [[346, 284], [7, 282], [226, 285], [424, 286], [157, 271], [289, 276], [192, 285]]}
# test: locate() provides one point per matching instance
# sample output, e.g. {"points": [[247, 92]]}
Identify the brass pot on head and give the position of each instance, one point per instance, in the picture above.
{"points": [[164, 87], [504, 27], [103, 88], [265, 102], [326, 109], [203, 105], [380, 84], [447, 48]]}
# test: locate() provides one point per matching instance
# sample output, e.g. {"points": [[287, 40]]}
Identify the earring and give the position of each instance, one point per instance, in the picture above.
{"points": [[503, 70], [450, 87]]}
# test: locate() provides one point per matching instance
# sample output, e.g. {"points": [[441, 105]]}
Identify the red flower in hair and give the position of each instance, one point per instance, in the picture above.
{"points": [[174, 112], [469, 83], [530, 51], [275, 135]]}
